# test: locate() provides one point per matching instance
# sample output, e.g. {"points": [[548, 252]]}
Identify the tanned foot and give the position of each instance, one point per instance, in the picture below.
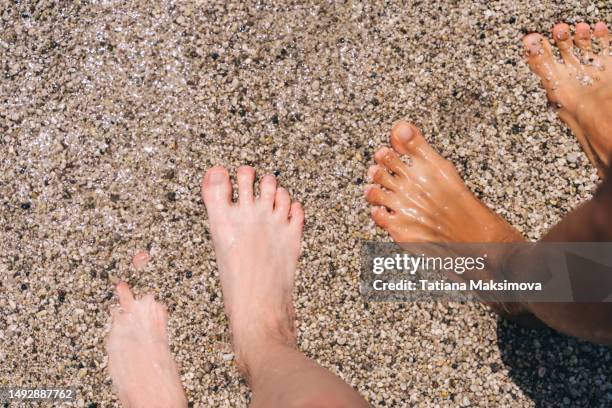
{"points": [[257, 244], [426, 201], [580, 86], [140, 363]]}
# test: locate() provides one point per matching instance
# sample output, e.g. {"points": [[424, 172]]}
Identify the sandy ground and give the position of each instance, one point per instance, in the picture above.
{"points": [[110, 113]]}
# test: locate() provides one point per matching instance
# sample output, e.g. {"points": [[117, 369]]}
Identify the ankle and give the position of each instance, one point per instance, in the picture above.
{"points": [[253, 342]]}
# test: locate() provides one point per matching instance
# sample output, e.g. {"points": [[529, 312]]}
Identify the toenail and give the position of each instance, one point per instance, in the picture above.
{"points": [[141, 259], [600, 29], [217, 177], [562, 35], [534, 47], [384, 153], [404, 132]]}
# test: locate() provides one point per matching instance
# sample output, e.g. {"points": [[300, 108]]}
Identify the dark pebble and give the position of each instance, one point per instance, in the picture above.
{"points": [[188, 274], [512, 20], [171, 196], [214, 55], [92, 405], [169, 175], [517, 129], [24, 286], [61, 295], [275, 119], [276, 173], [25, 206], [359, 181]]}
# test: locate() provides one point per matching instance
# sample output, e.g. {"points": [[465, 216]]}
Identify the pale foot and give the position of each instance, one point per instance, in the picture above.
{"points": [[140, 363], [580, 87], [257, 245], [427, 201]]}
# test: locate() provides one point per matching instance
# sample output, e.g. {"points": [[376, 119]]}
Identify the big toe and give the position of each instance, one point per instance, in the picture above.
{"points": [[216, 189], [539, 54], [542, 63], [408, 140]]}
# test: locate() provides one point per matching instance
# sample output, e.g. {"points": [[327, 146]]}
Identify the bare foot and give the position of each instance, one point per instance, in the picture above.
{"points": [[580, 87], [257, 244], [427, 201], [140, 363]]}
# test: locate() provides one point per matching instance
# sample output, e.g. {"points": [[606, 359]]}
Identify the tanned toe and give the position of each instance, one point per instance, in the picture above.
{"points": [[565, 43], [380, 175], [602, 35], [583, 36], [539, 54], [376, 196], [407, 139], [389, 159], [382, 217], [541, 61]]}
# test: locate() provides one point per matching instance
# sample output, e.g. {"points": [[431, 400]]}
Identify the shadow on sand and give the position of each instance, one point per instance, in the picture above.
{"points": [[556, 370]]}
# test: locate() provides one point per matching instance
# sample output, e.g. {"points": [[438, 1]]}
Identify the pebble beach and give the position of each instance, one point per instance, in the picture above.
{"points": [[110, 113]]}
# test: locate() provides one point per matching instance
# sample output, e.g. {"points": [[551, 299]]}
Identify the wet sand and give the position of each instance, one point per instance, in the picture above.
{"points": [[110, 114]]}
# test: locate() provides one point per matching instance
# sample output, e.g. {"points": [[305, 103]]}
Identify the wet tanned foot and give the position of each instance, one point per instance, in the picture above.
{"points": [[140, 363], [580, 86], [257, 244], [427, 201]]}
